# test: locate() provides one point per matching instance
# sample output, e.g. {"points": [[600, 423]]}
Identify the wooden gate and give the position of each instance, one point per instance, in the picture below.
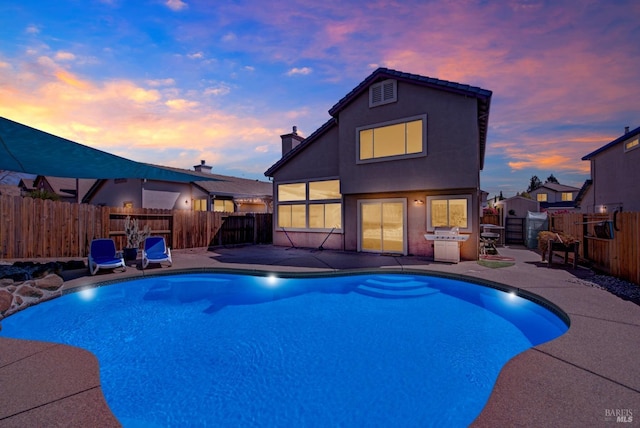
{"points": [[244, 229]]}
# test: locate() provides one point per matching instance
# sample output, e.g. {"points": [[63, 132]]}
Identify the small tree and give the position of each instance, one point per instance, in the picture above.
{"points": [[552, 179], [43, 194], [534, 183]]}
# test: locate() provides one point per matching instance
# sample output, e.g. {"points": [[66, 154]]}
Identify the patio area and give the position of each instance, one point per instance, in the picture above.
{"points": [[587, 377]]}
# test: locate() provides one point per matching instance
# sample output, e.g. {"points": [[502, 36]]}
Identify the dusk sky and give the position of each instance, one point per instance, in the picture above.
{"points": [[172, 82]]}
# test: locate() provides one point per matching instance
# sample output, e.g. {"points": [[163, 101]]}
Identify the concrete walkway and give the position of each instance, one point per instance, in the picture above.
{"points": [[590, 376]]}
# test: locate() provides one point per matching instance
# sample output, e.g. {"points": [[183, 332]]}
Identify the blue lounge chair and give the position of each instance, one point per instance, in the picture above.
{"points": [[155, 251], [103, 255]]}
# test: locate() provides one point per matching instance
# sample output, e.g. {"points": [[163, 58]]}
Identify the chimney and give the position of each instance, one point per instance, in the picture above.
{"points": [[202, 167], [626, 129], [290, 141]]}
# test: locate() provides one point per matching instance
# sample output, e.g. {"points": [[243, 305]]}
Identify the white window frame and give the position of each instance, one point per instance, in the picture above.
{"points": [[468, 197], [387, 90], [423, 153]]}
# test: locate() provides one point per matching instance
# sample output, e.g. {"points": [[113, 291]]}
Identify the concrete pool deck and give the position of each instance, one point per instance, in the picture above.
{"points": [[590, 376]]}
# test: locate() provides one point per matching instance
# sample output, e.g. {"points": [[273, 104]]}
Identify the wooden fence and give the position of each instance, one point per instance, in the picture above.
{"points": [[609, 242], [36, 228]]}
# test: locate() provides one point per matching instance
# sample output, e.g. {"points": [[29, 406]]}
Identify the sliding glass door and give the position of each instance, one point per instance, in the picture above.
{"points": [[382, 226]]}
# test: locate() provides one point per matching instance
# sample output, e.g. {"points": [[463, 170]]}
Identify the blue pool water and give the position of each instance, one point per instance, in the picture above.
{"points": [[231, 350]]}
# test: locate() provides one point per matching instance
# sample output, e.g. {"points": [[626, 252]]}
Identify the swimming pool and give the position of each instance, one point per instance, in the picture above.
{"points": [[224, 349]]}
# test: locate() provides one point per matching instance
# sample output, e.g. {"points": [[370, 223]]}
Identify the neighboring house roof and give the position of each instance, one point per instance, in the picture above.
{"points": [[66, 187], [619, 140], [228, 185], [516, 197], [27, 184], [557, 187], [483, 96], [583, 190], [235, 186]]}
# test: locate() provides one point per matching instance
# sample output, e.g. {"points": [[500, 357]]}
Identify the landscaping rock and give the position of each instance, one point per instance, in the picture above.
{"points": [[6, 299], [26, 290], [50, 282], [24, 284]]}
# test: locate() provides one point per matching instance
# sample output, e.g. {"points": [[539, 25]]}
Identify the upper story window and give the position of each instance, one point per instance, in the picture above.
{"points": [[633, 144], [292, 192], [567, 196], [405, 137], [382, 93], [541, 197]]}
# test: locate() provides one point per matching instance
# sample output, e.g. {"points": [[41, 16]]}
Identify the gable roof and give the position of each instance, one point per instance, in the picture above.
{"points": [[66, 187], [618, 140], [482, 95], [300, 147], [557, 187], [236, 186]]}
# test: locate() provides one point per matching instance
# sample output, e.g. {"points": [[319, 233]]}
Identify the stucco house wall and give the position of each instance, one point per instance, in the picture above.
{"points": [[452, 159], [145, 194], [615, 173]]}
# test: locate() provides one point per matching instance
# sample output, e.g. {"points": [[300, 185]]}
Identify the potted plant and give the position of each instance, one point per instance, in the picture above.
{"points": [[135, 236]]}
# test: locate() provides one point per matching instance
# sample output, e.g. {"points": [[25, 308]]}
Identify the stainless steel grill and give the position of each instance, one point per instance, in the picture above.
{"points": [[446, 247]]}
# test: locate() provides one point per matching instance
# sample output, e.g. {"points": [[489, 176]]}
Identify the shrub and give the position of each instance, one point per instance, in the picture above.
{"points": [[43, 194], [545, 236]]}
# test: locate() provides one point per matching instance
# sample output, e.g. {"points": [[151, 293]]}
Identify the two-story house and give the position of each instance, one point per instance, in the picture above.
{"points": [[400, 156], [614, 176], [555, 196]]}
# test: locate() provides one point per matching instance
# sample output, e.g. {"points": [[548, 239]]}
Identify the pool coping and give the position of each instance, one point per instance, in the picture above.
{"points": [[589, 376]]}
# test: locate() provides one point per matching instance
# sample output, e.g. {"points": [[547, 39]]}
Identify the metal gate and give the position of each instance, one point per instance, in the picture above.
{"points": [[514, 230]]}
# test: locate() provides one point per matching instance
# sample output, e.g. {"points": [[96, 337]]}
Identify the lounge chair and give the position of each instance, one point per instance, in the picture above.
{"points": [[155, 251], [103, 255]]}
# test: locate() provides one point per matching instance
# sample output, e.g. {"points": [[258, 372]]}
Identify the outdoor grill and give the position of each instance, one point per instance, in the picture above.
{"points": [[446, 247]]}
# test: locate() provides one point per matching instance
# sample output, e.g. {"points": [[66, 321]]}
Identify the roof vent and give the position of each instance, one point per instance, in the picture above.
{"points": [[626, 129]]}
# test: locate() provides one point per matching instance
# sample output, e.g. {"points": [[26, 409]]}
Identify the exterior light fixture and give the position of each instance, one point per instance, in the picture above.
{"points": [[418, 202]]}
